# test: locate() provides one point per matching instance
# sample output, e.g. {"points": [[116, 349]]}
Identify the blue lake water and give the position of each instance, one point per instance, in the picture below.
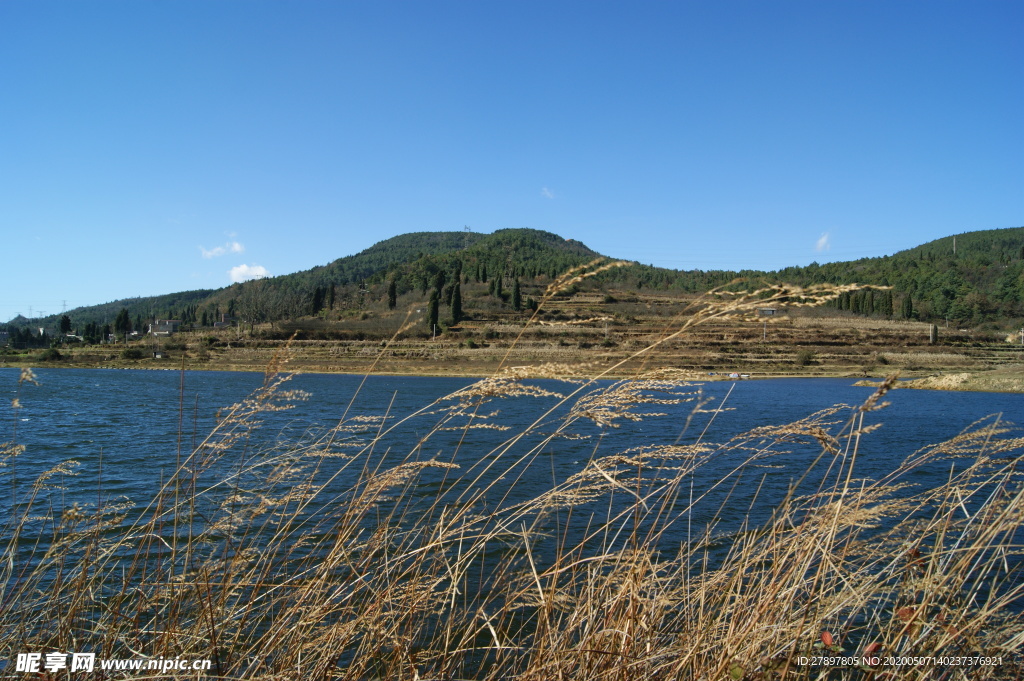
{"points": [[127, 429]]}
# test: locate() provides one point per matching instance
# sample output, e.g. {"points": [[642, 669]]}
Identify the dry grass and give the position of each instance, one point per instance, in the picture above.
{"points": [[1009, 378], [256, 560]]}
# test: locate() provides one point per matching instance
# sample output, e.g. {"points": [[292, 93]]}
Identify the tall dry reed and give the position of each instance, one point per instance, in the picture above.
{"points": [[315, 558]]}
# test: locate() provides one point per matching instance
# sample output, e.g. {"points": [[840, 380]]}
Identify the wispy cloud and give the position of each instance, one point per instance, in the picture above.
{"points": [[242, 273], [547, 193], [824, 242], [216, 251]]}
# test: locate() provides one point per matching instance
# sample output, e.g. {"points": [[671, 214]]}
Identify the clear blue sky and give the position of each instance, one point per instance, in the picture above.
{"points": [[151, 147]]}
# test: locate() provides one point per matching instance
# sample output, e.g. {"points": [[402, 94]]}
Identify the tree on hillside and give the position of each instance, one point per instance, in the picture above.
{"points": [[123, 324], [319, 299], [907, 308], [457, 304], [254, 302], [392, 294], [517, 296], [885, 304], [65, 325], [432, 311]]}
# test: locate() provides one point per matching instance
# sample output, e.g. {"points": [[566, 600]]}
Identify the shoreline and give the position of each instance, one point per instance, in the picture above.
{"points": [[1005, 379]]}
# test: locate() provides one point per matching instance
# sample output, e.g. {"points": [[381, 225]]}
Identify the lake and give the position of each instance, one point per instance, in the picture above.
{"points": [[370, 525], [127, 429]]}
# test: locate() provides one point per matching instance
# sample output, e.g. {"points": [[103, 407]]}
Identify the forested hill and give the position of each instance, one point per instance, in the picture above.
{"points": [[971, 278], [982, 280], [411, 260], [412, 257]]}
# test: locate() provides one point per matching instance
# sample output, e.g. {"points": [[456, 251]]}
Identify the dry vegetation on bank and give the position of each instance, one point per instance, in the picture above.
{"points": [[243, 558]]}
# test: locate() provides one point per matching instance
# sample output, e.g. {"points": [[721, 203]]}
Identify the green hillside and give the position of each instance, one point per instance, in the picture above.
{"points": [[982, 281]]}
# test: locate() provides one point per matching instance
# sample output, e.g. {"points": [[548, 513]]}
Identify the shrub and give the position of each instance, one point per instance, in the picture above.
{"points": [[132, 353], [50, 355], [803, 358]]}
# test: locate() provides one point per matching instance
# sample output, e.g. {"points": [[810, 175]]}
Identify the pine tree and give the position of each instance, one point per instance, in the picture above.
{"points": [[319, 296], [517, 297], [392, 294], [123, 323], [885, 307], [907, 309], [457, 304], [432, 311]]}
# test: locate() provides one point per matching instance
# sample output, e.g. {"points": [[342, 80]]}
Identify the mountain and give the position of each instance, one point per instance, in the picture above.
{"points": [[410, 257], [972, 277], [980, 280], [412, 260]]}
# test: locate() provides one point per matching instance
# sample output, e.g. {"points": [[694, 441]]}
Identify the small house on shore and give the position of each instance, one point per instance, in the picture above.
{"points": [[164, 327]]}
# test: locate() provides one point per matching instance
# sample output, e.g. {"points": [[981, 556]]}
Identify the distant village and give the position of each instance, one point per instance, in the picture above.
{"points": [[22, 337]]}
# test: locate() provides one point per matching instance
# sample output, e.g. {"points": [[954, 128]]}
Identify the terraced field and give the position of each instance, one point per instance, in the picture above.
{"points": [[599, 333]]}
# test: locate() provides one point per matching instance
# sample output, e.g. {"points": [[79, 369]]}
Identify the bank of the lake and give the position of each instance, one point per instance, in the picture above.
{"points": [[1004, 379], [974, 370]]}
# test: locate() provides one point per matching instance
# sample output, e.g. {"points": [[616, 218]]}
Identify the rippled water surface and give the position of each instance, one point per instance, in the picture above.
{"points": [[127, 429]]}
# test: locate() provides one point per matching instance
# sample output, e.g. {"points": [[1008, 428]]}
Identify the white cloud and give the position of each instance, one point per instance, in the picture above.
{"points": [[229, 247], [824, 242], [246, 272], [547, 193]]}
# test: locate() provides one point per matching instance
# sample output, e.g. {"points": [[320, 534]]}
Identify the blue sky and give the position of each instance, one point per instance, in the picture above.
{"points": [[151, 147]]}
